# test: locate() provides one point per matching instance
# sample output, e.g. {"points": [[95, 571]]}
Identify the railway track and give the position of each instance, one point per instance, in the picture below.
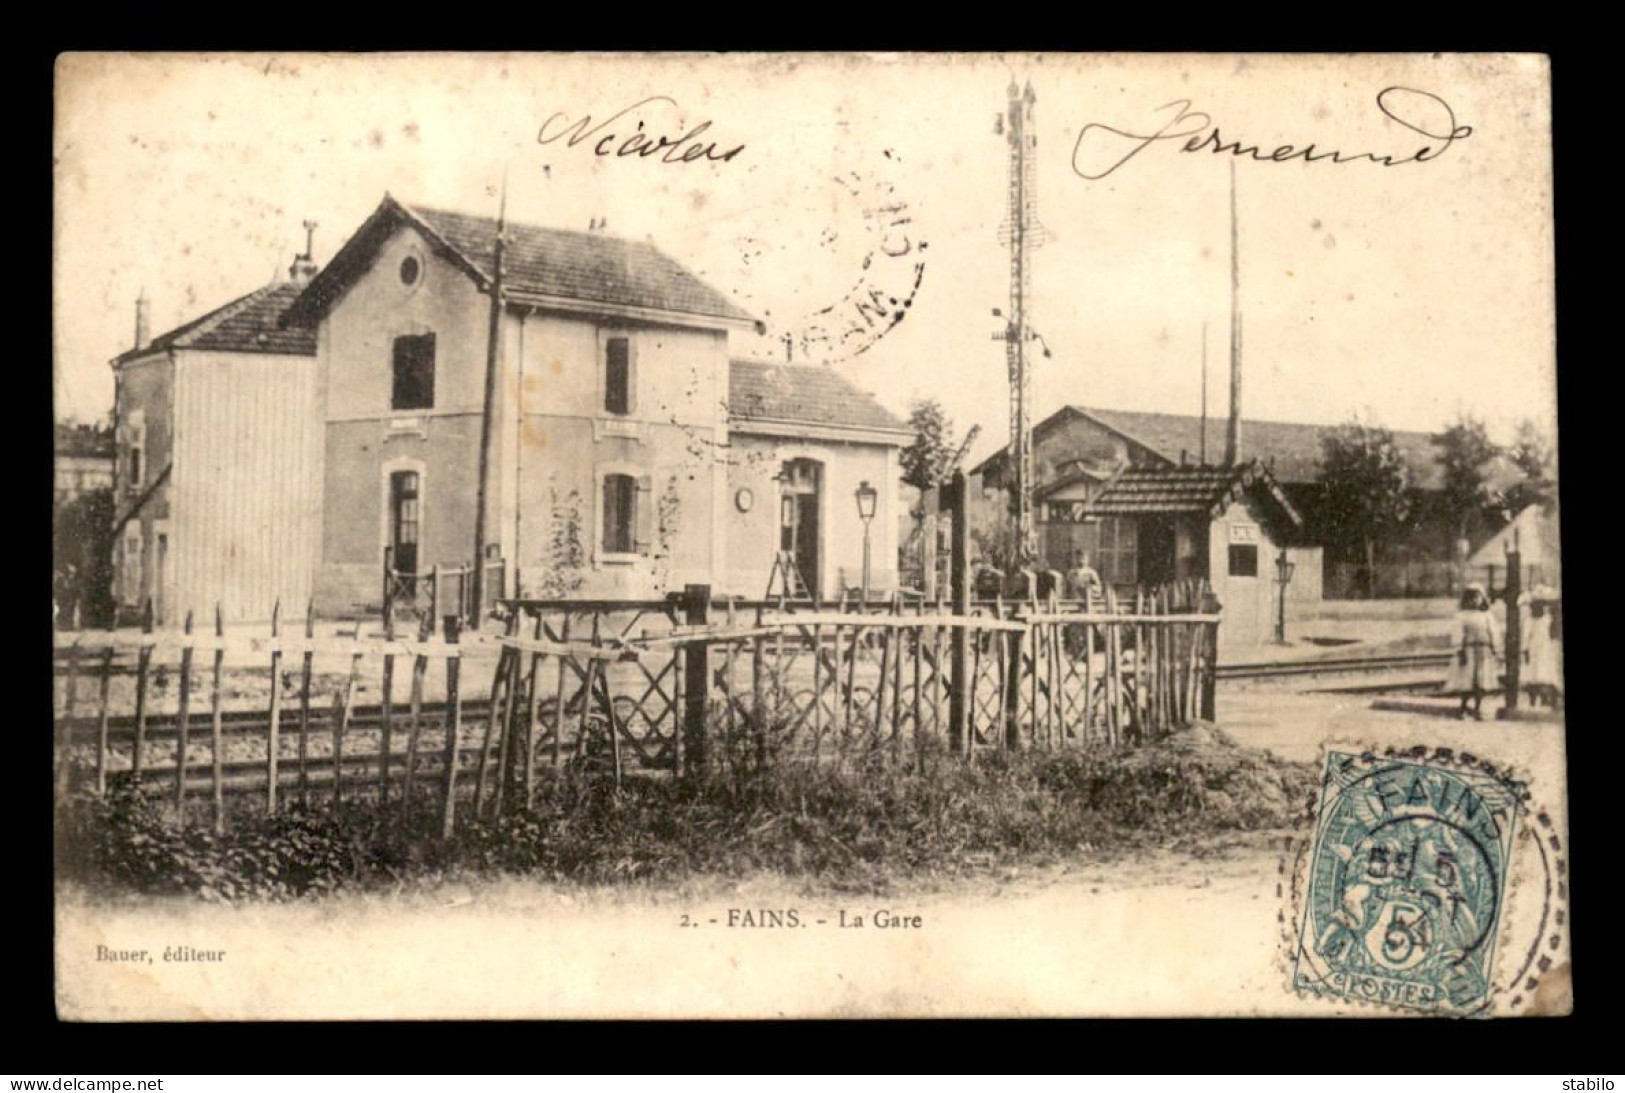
{"points": [[1334, 666]]}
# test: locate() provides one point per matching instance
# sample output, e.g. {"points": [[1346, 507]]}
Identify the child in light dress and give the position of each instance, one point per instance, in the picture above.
{"points": [[1542, 669], [1473, 668]]}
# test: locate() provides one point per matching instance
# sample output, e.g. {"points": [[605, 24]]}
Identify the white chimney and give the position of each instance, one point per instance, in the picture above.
{"points": [[304, 265], [143, 320]]}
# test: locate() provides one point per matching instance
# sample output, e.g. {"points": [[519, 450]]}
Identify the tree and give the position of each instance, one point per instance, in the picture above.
{"points": [[1532, 452], [930, 459], [1465, 453], [1367, 487], [82, 558]]}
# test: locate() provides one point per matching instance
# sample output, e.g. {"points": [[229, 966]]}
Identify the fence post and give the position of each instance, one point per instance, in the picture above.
{"points": [[696, 675], [1210, 674], [961, 682], [1012, 694], [1514, 628], [454, 725]]}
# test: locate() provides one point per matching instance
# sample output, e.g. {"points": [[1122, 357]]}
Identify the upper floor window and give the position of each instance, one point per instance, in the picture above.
{"points": [[618, 375], [414, 373], [135, 466]]}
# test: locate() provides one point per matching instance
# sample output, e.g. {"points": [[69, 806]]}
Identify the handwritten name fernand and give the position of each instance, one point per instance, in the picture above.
{"points": [[625, 133], [1102, 149]]}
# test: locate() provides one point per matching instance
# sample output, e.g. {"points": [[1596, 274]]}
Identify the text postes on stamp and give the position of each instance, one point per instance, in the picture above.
{"points": [[1407, 884]]}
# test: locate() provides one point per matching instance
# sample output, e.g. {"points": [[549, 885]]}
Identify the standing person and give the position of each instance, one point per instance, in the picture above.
{"points": [[1542, 669], [1082, 582], [1472, 670]]}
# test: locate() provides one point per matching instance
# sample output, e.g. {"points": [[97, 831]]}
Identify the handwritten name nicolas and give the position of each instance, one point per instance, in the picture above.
{"points": [[1102, 149], [627, 133]]}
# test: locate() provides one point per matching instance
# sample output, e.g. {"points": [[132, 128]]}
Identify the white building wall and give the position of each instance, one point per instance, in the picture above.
{"points": [[242, 530]]}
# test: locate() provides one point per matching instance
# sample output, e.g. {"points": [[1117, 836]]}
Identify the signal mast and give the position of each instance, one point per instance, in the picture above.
{"points": [[1022, 233]]}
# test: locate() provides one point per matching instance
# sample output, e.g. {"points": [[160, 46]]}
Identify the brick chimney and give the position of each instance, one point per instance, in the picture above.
{"points": [[143, 320], [304, 265]]}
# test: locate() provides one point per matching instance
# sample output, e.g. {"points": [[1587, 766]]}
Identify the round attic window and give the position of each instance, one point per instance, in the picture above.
{"points": [[411, 269]]}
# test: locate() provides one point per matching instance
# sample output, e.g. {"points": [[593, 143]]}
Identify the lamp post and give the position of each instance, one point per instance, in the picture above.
{"points": [[867, 496], [1283, 577]]}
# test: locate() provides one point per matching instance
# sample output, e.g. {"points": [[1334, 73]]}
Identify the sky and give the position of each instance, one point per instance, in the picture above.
{"points": [[1406, 294]]}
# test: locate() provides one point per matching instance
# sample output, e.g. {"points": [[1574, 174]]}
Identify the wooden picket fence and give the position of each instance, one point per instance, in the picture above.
{"points": [[673, 686]]}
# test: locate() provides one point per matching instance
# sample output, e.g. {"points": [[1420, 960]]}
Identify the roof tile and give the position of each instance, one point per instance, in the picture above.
{"points": [[249, 324], [592, 266], [802, 393]]}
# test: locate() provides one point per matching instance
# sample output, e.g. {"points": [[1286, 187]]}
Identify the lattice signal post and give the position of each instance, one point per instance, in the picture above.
{"points": [[1022, 233]]}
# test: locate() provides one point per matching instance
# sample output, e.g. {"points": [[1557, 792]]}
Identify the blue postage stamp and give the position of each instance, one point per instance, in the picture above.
{"points": [[1407, 884]]}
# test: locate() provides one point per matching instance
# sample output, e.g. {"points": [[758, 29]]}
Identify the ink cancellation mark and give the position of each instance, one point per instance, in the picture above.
{"points": [[1407, 884], [888, 281]]}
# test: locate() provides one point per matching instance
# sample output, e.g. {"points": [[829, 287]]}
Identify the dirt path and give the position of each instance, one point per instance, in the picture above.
{"points": [[1173, 931]]}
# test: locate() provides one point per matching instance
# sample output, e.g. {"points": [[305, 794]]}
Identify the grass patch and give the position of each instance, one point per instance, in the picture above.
{"points": [[851, 827]]}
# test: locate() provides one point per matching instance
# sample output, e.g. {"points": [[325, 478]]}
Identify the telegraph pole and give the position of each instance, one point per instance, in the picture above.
{"points": [[488, 433]]}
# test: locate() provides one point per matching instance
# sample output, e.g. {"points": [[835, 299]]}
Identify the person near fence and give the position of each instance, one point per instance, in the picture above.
{"points": [[1082, 581], [1542, 669], [1473, 668]]}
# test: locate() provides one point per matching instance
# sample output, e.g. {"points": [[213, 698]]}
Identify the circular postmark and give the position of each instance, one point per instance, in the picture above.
{"points": [[1431, 883], [868, 255]]}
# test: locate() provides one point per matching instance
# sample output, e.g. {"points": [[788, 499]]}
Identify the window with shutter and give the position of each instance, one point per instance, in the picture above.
{"points": [[619, 513], [414, 373], [617, 376]]}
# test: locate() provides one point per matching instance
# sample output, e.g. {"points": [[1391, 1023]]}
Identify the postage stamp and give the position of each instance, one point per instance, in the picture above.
{"points": [[1407, 883]]}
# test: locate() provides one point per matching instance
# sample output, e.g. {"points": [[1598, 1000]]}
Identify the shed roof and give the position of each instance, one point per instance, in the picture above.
{"points": [[811, 394], [1292, 449], [1151, 491], [255, 323]]}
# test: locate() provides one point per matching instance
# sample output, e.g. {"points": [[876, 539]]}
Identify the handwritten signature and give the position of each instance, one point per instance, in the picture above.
{"points": [[686, 148], [1400, 104]]}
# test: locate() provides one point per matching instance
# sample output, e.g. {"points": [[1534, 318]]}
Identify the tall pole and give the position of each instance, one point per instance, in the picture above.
{"points": [[865, 584], [1201, 449], [488, 433], [1232, 440], [1023, 234]]}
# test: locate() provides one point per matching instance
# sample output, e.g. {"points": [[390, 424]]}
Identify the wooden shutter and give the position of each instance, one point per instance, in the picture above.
{"points": [[643, 515]]}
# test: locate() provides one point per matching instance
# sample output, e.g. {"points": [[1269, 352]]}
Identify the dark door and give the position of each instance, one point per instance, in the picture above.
{"points": [[798, 519], [403, 521], [1157, 547]]}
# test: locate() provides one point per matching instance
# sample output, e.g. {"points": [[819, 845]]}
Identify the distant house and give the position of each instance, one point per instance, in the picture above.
{"points": [[1078, 449], [84, 461], [1534, 534], [333, 422]]}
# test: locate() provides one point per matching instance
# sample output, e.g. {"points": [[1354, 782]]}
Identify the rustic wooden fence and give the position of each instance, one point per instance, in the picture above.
{"points": [[671, 686]]}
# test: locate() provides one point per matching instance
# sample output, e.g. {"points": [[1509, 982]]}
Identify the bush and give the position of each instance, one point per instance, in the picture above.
{"points": [[849, 826]]}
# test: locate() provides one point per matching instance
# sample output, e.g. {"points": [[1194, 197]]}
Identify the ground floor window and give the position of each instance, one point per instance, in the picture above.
{"points": [[130, 577], [619, 513], [1243, 559], [1119, 549]]}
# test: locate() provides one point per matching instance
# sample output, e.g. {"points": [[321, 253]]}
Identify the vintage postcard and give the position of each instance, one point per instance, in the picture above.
{"points": [[806, 535]]}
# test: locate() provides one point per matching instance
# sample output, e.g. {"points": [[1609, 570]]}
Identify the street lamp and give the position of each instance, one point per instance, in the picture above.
{"points": [[1283, 577], [867, 496]]}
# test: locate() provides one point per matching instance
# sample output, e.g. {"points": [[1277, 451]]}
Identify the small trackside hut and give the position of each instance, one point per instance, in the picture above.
{"points": [[1229, 525]]}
